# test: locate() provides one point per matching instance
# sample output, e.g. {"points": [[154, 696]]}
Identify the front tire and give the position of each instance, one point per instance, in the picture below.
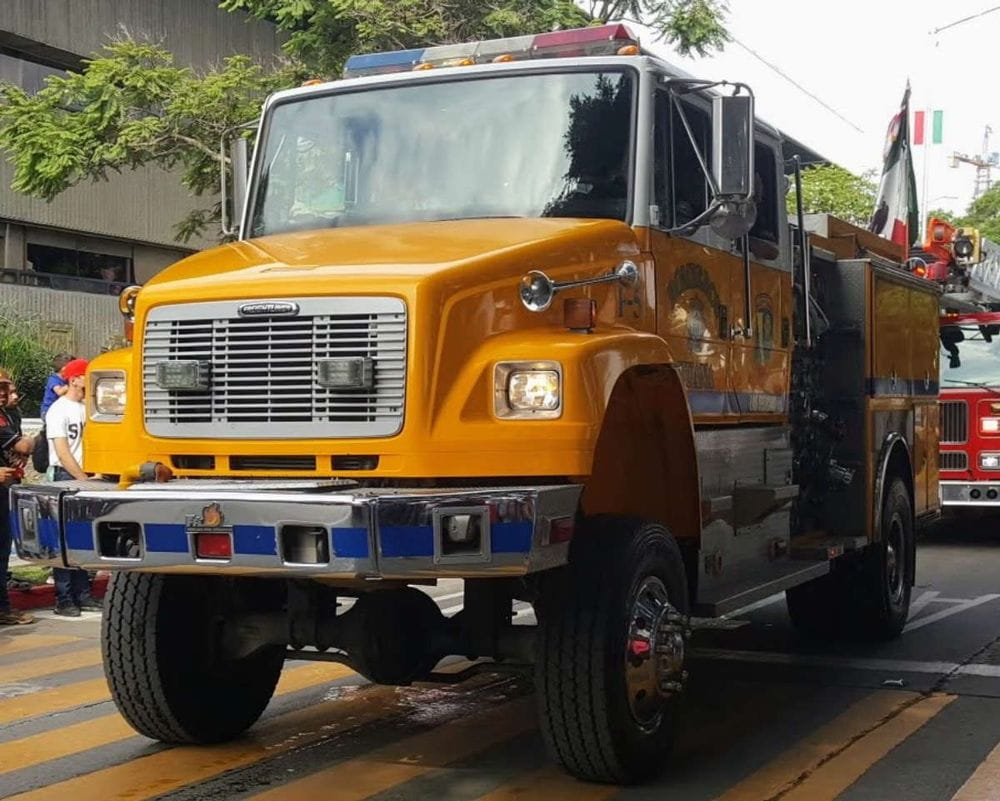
{"points": [[612, 635], [163, 660]]}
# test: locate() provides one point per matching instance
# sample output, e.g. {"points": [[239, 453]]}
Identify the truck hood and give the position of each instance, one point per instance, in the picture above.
{"points": [[388, 257]]}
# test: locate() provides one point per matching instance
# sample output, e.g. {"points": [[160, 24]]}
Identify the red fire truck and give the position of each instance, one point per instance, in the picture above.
{"points": [[968, 268]]}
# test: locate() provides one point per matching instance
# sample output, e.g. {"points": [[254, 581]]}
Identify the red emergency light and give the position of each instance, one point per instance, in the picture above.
{"points": [[598, 40]]}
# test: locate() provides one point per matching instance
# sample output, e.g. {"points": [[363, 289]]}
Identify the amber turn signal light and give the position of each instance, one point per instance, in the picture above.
{"points": [[579, 314]]}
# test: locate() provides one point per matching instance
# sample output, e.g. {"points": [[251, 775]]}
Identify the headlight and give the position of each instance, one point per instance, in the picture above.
{"points": [[109, 395], [989, 425], [528, 390], [989, 461]]}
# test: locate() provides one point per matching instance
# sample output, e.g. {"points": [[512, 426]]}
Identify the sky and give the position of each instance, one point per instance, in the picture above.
{"points": [[856, 56]]}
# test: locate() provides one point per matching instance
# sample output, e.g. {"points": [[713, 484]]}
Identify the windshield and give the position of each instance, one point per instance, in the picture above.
{"points": [[970, 355], [538, 145]]}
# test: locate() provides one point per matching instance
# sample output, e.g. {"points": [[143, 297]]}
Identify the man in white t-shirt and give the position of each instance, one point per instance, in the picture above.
{"points": [[64, 423]]}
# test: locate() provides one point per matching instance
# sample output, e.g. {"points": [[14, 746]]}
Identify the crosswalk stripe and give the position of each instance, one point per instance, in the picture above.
{"points": [[409, 758], [780, 773], [165, 771], [549, 784], [35, 668], [81, 693], [77, 737], [835, 775], [55, 699], [17, 643], [984, 783]]}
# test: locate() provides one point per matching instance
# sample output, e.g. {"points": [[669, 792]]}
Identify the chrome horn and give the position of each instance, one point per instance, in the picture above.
{"points": [[537, 290]]}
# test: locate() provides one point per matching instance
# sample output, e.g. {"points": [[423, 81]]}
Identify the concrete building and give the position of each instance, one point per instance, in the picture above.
{"points": [[66, 260]]}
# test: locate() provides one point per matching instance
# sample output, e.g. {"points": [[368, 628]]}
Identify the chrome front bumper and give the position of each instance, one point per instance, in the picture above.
{"points": [[970, 493], [365, 533]]}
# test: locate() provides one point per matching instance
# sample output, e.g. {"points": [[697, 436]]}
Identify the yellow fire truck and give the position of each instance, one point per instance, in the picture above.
{"points": [[525, 312]]}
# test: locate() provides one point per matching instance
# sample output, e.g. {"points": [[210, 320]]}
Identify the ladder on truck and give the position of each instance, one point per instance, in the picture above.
{"points": [[974, 287], [984, 277]]}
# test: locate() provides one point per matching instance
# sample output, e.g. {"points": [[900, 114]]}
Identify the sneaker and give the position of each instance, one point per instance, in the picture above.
{"points": [[91, 605], [15, 617], [68, 610]]}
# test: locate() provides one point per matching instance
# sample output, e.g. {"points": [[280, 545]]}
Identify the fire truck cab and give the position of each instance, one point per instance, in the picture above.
{"points": [[529, 313]]}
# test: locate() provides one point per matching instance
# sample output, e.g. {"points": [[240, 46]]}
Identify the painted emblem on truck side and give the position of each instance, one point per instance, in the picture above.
{"points": [[268, 308], [696, 306]]}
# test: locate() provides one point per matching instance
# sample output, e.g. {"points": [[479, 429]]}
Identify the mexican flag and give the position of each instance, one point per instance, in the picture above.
{"points": [[895, 216]]}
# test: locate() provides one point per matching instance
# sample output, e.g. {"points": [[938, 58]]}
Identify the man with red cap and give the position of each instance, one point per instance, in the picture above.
{"points": [[64, 423]]}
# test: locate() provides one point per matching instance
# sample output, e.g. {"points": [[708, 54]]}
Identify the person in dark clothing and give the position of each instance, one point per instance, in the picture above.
{"points": [[14, 449]]}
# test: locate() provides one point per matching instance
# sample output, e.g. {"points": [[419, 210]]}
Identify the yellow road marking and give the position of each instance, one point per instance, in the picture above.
{"points": [[56, 699], [780, 773], [72, 739], [984, 784], [166, 771], [834, 776], [34, 668], [409, 758], [16, 643], [549, 784]]}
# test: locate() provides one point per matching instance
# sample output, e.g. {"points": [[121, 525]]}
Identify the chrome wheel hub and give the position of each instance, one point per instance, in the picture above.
{"points": [[654, 652], [894, 558]]}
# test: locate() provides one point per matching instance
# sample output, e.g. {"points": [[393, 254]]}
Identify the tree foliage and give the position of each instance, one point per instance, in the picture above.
{"points": [[829, 189], [322, 33], [24, 354], [132, 105], [984, 213]]}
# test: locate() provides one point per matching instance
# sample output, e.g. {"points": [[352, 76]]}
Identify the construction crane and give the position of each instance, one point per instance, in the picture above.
{"points": [[984, 163]]}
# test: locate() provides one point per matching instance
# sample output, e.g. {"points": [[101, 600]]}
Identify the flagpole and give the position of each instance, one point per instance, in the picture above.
{"points": [[924, 180]]}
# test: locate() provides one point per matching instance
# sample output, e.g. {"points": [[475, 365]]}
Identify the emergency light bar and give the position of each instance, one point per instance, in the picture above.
{"points": [[601, 40]]}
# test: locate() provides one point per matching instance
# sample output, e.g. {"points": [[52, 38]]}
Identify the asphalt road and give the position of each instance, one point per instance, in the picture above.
{"points": [[768, 717]]}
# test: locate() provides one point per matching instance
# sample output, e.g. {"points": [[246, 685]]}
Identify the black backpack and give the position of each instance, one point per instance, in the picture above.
{"points": [[40, 453]]}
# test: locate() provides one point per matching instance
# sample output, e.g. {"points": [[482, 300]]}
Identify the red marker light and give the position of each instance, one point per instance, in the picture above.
{"points": [[213, 545], [561, 530]]}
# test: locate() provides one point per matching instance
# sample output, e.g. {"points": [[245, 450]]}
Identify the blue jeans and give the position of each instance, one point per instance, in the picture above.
{"points": [[72, 584]]}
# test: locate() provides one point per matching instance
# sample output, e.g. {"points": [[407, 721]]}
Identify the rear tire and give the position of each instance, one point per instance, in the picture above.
{"points": [[612, 630], [167, 676], [868, 597]]}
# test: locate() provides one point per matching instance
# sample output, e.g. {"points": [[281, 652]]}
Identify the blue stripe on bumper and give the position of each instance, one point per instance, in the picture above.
{"points": [[255, 540], [399, 541], [350, 543], [511, 537], [166, 538], [79, 535], [407, 541]]}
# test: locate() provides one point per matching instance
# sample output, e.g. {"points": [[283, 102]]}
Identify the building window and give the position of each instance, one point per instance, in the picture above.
{"points": [[29, 75], [80, 270]]}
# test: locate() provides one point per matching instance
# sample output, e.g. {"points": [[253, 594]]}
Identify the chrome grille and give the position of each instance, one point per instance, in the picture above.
{"points": [[264, 374], [954, 460], [954, 421]]}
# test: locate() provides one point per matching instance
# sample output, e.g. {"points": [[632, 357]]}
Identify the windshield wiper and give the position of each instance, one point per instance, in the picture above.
{"points": [[994, 388]]}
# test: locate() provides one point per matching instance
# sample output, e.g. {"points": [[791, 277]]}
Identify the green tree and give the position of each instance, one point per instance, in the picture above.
{"points": [[132, 105], [984, 213], [829, 189], [322, 33], [25, 355]]}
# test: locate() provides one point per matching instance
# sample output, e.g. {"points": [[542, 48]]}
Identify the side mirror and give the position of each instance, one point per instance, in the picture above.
{"points": [[732, 165], [235, 177], [732, 146]]}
